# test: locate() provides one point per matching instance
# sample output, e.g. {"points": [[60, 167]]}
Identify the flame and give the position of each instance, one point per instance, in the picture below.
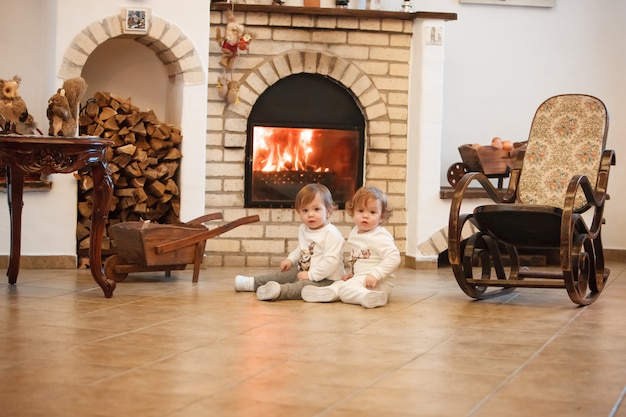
{"points": [[283, 149]]}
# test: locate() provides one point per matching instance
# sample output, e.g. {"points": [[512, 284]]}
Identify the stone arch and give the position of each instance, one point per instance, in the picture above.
{"points": [[168, 42], [255, 82]]}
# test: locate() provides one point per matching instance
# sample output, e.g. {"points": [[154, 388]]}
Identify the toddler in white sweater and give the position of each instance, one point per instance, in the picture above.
{"points": [[316, 261]]}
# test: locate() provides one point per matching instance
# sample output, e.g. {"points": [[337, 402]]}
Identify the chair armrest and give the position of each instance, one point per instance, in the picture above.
{"points": [[467, 179], [511, 191], [595, 200], [608, 159]]}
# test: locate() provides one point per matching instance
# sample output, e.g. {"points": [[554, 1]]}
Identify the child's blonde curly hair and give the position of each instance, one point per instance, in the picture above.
{"points": [[366, 193]]}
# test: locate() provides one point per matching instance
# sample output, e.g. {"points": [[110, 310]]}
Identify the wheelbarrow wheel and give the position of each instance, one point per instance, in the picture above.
{"points": [[456, 172], [110, 268]]}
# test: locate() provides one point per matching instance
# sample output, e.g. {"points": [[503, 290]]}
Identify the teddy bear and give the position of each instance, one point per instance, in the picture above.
{"points": [[63, 108]]}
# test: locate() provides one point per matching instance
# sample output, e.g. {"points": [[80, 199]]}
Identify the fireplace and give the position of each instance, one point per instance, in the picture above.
{"points": [[306, 128], [380, 79]]}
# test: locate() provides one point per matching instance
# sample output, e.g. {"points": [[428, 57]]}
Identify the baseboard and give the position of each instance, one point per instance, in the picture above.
{"points": [[615, 255], [69, 261], [42, 261]]}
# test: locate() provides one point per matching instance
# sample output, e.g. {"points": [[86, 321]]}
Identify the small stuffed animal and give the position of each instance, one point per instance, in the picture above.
{"points": [[60, 115], [63, 108], [234, 40], [232, 96], [12, 107], [228, 89]]}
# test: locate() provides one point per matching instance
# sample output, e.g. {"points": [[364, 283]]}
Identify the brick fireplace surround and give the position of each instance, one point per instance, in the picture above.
{"points": [[373, 54]]}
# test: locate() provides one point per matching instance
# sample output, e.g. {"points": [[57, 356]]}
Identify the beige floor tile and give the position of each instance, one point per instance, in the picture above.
{"points": [[545, 406], [165, 347], [401, 401]]}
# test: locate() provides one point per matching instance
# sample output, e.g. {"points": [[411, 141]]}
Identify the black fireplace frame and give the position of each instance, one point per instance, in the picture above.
{"points": [[304, 101]]}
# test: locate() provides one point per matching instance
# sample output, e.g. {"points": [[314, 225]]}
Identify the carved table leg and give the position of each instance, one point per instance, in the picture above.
{"points": [[15, 189], [102, 193]]}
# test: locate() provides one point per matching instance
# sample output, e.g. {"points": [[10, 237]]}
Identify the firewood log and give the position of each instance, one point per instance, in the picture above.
{"points": [[144, 160]]}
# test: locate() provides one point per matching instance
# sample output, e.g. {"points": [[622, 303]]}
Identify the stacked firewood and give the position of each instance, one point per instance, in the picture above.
{"points": [[144, 160]]}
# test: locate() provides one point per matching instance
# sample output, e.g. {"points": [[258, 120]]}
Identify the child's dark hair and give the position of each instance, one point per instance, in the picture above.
{"points": [[366, 193], [308, 194]]}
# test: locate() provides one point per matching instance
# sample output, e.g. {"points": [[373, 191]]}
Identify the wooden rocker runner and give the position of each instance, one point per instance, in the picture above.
{"points": [[146, 247]]}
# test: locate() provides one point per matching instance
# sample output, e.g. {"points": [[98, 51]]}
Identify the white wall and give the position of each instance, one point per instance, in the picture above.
{"points": [[35, 53], [500, 63], [49, 221]]}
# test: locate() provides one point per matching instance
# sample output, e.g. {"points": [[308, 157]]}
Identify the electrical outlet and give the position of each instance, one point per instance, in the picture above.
{"points": [[434, 35]]}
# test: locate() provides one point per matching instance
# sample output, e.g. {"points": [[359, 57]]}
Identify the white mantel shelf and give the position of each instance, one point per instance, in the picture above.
{"points": [[330, 11]]}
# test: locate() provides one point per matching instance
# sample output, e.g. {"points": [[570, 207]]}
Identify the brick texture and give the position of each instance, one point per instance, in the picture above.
{"points": [[369, 57]]}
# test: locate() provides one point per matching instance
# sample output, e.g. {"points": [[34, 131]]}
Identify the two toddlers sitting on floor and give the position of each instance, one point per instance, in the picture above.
{"points": [[314, 271]]}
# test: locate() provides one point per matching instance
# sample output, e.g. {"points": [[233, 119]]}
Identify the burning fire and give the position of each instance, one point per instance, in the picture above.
{"points": [[283, 149]]}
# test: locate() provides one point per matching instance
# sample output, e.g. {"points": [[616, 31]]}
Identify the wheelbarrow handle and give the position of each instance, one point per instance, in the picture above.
{"points": [[204, 235], [206, 218]]}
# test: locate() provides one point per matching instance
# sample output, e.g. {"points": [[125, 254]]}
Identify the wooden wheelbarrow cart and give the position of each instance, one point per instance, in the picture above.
{"points": [[489, 160], [145, 247]]}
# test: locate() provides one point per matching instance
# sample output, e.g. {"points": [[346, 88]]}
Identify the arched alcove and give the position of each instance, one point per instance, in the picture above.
{"points": [[127, 68], [159, 71]]}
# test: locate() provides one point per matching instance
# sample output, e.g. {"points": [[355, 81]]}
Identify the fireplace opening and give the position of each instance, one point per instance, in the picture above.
{"points": [[305, 128]]}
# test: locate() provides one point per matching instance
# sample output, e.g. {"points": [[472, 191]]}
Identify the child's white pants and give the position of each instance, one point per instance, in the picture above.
{"points": [[353, 291]]}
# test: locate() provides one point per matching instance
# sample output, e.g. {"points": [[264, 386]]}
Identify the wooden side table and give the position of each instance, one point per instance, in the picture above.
{"points": [[47, 155]]}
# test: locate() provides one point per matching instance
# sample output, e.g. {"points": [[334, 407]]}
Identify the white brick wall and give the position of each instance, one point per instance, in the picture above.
{"points": [[368, 56]]}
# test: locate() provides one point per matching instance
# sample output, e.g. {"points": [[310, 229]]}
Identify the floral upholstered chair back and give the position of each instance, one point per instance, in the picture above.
{"points": [[567, 137]]}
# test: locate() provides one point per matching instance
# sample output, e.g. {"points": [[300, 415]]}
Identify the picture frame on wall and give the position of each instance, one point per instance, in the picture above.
{"points": [[136, 20], [532, 3]]}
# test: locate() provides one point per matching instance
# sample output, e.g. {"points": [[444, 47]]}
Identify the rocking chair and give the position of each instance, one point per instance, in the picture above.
{"points": [[554, 202]]}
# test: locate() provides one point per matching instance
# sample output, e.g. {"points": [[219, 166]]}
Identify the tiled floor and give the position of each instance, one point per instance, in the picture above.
{"points": [[167, 348]]}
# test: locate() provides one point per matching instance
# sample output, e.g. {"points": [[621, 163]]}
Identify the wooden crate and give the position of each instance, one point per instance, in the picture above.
{"points": [[489, 160]]}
